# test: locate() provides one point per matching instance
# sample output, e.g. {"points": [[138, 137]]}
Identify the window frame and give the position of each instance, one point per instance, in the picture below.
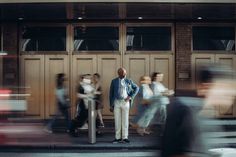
{"points": [[92, 52], [212, 25], [171, 25], [65, 25]]}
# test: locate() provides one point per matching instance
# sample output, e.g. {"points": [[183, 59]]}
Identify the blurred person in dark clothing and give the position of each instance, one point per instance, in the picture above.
{"points": [[84, 93], [63, 105], [98, 98], [183, 135]]}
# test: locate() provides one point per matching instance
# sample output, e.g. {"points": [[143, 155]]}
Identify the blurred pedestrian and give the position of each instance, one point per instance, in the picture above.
{"points": [[157, 87], [144, 94], [160, 90], [98, 98], [84, 95], [182, 134], [63, 104], [122, 93]]}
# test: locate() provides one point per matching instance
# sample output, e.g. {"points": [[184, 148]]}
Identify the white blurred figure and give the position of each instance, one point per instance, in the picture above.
{"points": [[157, 86], [143, 117], [160, 90], [84, 93]]}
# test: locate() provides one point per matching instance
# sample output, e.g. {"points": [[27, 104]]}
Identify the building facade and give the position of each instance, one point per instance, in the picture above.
{"points": [[39, 40]]}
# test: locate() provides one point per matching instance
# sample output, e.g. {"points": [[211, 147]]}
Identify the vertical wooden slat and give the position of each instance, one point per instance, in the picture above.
{"points": [[54, 64], [32, 77], [82, 64], [164, 64], [107, 68]]}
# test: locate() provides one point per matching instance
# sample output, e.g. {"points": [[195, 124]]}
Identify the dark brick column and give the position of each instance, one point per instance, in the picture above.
{"points": [[183, 55], [10, 66]]}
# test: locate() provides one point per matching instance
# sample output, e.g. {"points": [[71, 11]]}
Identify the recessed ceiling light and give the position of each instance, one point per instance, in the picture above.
{"points": [[140, 17], [20, 18], [80, 18], [199, 18]]}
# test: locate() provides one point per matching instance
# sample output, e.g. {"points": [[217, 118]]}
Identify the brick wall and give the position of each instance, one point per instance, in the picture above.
{"points": [[183, 55], [10, 67]]}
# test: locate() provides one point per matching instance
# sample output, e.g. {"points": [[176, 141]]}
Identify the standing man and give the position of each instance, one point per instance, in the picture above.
{"points": [[122, 93]]}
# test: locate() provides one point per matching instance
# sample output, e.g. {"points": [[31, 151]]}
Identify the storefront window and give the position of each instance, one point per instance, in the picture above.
{"points": [[96, 39], [148, 38], [43, 39], [213, 38]]}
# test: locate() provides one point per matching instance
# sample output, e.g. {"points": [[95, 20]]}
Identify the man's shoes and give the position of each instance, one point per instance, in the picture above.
{"points": [[121, 141], [116, 141], [126, 140]]}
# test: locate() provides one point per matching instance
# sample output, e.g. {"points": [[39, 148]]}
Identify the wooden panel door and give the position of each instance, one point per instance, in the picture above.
{"points": [[54, 64], [165, 65], [136, 65], [81, 64], [228, 60], [197, 61], [107, 68], [32, 77]]}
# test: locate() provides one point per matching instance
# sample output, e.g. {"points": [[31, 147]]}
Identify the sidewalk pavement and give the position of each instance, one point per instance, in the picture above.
{"points": [[36, 138], [31, 136]]}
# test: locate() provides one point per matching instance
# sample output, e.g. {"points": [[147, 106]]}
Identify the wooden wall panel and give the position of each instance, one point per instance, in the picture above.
{"points": [[224, 59], [136, 66], [228, 60], [54, 64], [32, 76], [164, 64], [107, 68], [81, 64], [197, 61]]}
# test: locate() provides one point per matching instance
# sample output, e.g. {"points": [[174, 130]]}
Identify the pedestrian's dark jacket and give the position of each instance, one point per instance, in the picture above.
{"points": [[182, 133]]}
